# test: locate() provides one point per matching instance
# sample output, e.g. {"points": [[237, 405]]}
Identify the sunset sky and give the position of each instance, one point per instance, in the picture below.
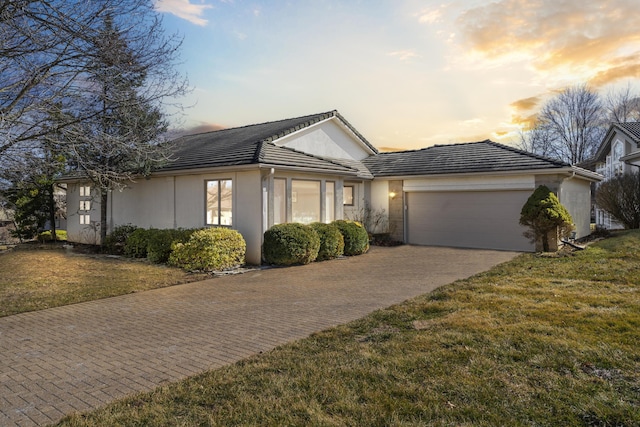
{"points": [[406, 73]]}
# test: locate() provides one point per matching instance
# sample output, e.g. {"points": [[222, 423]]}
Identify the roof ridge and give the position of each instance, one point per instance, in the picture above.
{"points": [[328, 114], [314, 118]]}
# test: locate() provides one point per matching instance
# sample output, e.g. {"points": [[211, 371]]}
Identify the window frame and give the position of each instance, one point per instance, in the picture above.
{"points": [[85, 191], [329, 201], [219, 182], [344, 195]]}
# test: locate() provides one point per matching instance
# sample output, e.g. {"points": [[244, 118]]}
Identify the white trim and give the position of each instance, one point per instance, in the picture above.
{"points": [[569, 170], [462, 183]]}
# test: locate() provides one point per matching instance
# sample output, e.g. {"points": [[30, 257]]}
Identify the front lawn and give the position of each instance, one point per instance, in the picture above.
{"points": [[35, 279], [538, 341]]}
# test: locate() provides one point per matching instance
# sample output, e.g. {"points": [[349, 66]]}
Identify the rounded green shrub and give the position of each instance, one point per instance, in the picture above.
{"points": [[160, 243], [115, 241], [137, 242], [210, 249], [356, 238], [289, 244], [331, 241]]}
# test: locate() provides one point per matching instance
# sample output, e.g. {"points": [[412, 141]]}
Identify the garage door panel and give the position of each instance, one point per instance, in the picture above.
{"points": [[486, 219]]}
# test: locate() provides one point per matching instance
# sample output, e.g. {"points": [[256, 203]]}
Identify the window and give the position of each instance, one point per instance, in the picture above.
{"points": [[330, 201], [305, 201], [85, 219], [85, 205], [618, 152], [219, 202], [347, 193], [279, 201], [85, 191]]}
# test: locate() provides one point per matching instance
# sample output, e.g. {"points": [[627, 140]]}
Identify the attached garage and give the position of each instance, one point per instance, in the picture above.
{"points": [[470, 195], [467, 219]]}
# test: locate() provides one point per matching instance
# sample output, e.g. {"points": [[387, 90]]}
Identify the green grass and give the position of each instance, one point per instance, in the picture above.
{"points": [[538, 341], [36, 279]]}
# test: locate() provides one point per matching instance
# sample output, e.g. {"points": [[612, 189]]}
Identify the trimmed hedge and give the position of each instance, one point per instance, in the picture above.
{"points": [[137, 242], [210, 249], [116, 240], [290, 243], [356, 238], [331, 241], [160, 242]]}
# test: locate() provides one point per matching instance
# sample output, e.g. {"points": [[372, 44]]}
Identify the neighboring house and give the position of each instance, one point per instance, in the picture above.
{"points": [[6, 217], [320, 168], [619, 153]]}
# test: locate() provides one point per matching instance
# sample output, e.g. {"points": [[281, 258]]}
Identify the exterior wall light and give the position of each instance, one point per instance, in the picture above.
{"points": [[392, 195]]}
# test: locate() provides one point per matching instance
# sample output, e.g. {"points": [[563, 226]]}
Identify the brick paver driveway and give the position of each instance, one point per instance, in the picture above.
{"points": [[79, 357]]}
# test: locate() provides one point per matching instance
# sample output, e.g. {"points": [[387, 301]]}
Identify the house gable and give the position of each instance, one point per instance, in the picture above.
{"points": [[619, 148], [330, 138]]}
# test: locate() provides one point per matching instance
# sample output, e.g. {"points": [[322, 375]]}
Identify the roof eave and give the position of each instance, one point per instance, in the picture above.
{"points": [[290, 168], [567, 170]]}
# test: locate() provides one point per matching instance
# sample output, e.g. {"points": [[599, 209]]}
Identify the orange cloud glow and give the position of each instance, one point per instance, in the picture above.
{"points": [[582, 39]]}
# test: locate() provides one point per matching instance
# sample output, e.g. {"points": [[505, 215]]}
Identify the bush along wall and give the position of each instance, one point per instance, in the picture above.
{"points": [[116, 240], [210, 249], [160, 243], [290, 244], [331, 241], [356, 238], [136, 244]]}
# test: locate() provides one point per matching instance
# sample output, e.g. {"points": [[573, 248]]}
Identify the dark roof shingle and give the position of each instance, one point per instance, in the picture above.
{"points": [[483, 156], [632, 129], [253, 144]]}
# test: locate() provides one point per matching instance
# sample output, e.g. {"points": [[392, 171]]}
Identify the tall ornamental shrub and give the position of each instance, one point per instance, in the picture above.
{"points": [[356, 238], [289, 244], [544, 214]]}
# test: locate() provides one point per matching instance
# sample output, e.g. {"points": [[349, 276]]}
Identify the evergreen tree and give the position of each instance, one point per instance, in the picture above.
{"points": [[543, 213], [122, 139]]}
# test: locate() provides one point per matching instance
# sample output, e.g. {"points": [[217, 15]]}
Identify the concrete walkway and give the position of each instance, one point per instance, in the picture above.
{"points": [[80, 357]]}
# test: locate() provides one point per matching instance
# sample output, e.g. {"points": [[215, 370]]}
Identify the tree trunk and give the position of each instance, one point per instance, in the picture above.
{"points": [[52, 212], [104, 196], [545, 242]]}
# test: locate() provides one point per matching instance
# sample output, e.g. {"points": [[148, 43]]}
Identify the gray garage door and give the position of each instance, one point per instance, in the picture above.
{"points": [[474, 219]]}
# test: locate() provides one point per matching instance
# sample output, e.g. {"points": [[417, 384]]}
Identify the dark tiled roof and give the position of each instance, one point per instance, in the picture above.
{"points": [[253, 144], [274, 155], [484, 156], [632, 129], [363, 171]]}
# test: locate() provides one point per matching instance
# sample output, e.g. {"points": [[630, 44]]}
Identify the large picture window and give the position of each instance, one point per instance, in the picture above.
{"points": [[305, 201], [219, 202]]}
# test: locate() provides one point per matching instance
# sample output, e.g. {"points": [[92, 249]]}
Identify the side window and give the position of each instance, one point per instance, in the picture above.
{"points": [[347, 193], [219, 202]]}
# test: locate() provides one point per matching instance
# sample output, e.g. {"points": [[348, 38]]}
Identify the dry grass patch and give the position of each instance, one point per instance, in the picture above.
{"points": [[533, 342], [37, 279]]}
